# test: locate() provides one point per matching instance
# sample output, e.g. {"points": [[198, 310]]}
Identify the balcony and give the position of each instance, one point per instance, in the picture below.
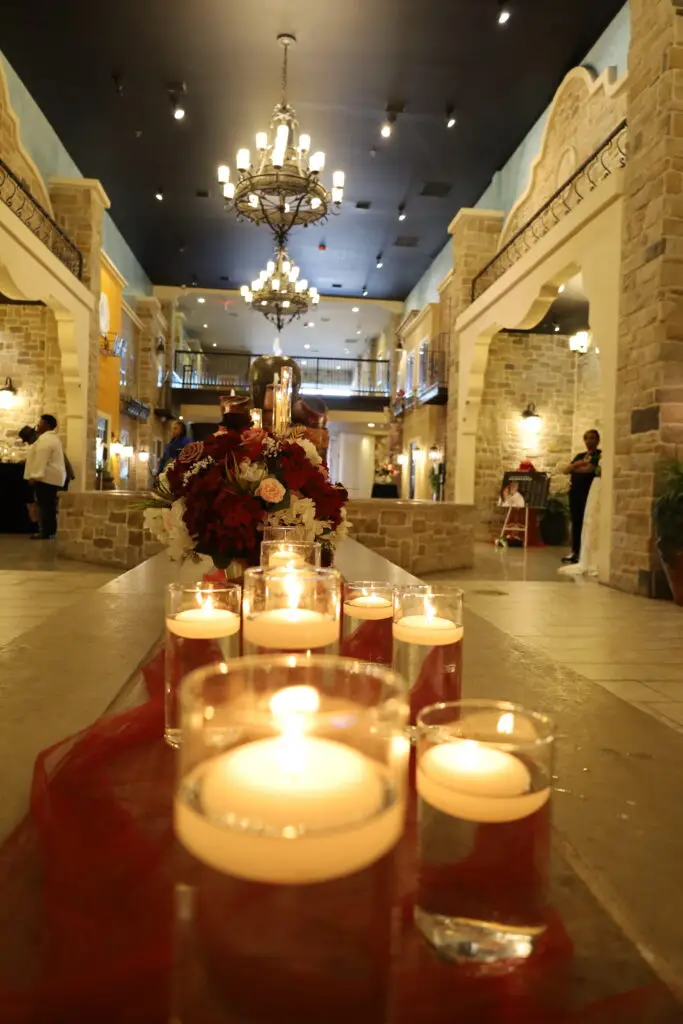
{"points": [[342, 383], [432, 378]]}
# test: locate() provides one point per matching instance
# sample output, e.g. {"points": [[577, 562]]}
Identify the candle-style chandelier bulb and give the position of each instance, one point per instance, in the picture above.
{"points": [[279, 293]]}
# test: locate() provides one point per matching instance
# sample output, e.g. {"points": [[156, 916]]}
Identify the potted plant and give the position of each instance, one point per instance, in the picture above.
{"points": [[554, 520], [668, 518]]}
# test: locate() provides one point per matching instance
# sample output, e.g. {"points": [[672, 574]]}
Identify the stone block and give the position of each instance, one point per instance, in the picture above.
{"points": [[103, 543]]}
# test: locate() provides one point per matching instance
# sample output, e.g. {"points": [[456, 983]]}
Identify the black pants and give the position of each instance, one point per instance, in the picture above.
{"points": [[47, 497], [577, 509]]}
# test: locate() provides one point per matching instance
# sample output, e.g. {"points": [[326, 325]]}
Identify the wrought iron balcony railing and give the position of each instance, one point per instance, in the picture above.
{"points": [[340, 378], [611, 155], [16, 197]]}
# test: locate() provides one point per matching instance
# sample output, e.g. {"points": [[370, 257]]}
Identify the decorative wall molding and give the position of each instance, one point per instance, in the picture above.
{"points": [[12, 149], [585, 110]]}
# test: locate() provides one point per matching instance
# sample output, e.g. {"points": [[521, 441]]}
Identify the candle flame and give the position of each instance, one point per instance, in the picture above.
{"points": [[506, 723], [206, 605], [293, 708], [430, 610], [293, 590]]}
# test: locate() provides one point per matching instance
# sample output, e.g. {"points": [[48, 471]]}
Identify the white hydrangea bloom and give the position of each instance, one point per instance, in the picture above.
{"points": [[310, 449], [252, 472], [168, 527]]}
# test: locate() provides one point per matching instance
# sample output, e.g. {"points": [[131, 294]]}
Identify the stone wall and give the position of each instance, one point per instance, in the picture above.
{"points": [[589, 397], [649, 396], [31, 356], [102, 527], [522, 368], [419, 536]]}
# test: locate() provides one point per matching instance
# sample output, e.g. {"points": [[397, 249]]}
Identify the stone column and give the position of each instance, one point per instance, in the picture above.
{"points": [[153, 330], [475, 236], [79, 205], [649, 382]]}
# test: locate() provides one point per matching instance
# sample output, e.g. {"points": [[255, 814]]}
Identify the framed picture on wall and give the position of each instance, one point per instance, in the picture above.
{"points": [[524, 490]]}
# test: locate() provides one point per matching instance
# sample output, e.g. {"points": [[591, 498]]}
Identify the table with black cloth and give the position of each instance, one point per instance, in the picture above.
{"points": [[384, 491], [14, 495]]}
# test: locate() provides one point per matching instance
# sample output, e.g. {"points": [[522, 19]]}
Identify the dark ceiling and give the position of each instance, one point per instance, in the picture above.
{"points": [[351, 59]]}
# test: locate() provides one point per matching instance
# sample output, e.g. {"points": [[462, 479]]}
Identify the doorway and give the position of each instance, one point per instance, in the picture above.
{"points": [[412, 466]]}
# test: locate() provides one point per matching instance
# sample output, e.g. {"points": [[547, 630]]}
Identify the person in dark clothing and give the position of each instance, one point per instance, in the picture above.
{"points": [[582, 470], [174, 447]]}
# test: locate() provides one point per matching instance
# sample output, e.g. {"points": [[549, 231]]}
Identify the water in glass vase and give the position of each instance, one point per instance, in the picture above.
{"points": [[183, 655], [484, 861], [250, 950]]}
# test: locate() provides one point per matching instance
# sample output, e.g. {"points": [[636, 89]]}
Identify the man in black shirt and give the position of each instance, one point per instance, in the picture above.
{"points": [[582, 469]]}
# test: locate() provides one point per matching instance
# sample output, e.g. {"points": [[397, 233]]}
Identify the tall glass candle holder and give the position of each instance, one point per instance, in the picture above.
{"points": [[367, 613], [290, 803], [291, 610], [287, 534], [484, 772], [428, 636], [202, 626], [277, 554]]}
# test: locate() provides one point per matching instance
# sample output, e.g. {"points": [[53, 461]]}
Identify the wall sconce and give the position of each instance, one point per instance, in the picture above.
{"points": [[116, 448], [435, 455], [530, 411], [143, 455], [418, 454], [127, 451], [402, 459], [8, 394], [580, 342]]}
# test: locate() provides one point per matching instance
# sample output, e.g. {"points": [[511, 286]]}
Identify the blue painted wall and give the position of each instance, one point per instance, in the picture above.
{"points": [[45, 148], [611, 50]]}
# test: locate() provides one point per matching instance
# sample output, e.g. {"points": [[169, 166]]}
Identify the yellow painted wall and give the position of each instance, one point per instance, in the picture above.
{"points": [[424, 426], [110, 366]]}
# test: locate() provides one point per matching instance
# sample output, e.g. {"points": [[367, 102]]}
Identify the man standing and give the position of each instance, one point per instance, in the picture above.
{"points": [[582, 470], [45, 471]]}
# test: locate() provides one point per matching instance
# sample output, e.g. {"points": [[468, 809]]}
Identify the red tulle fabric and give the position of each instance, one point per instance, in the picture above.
{"points": [[86, 886]]}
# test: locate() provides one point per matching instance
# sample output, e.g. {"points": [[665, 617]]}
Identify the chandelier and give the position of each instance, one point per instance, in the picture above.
{"points": [[281, 187], [279, 293]]}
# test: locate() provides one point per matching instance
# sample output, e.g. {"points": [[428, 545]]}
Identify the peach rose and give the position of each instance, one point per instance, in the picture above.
{"points": [[271, 490]]}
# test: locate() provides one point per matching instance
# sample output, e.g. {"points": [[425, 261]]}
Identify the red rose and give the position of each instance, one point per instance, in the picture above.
{"points": [[191, 452], [297, 471]]}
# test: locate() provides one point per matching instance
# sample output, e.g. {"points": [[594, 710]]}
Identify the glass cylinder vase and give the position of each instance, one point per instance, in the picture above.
{"points": [[277, 554], [202, 627], [484, 771], [290, 804], [291, 610], [428, 639], [367, 613]]}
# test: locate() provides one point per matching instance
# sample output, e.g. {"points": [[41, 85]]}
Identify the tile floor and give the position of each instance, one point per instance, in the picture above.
{"points": [[628, 645], [34, 583]]}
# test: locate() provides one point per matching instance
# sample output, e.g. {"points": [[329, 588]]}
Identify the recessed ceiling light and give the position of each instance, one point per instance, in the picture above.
{"points": [[178, 112], [338, 366], [304, 362], [200, 298], [385, 130], [159, 195], [310, 324], [365, 291], [450, 123], [355, 309], [371, 425], [214, 344], [358, 331], [307, 346], [379, 261], [346, 351], [556, 328], [504, 14], [561, 289], [401, 213], [205, 326]]}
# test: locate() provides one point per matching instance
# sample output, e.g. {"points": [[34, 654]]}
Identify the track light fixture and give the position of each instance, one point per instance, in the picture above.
{"points": [[159, 194], [365, 291], [388, 126], [176, 92], [450, 117], [504, 12], [380, 264], [401, 212]]}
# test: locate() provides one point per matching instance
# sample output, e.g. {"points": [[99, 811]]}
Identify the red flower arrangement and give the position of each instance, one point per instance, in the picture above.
{"points": [[216, 497]]}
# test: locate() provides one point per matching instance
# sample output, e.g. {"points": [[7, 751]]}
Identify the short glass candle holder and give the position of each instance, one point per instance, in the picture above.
{"points": [[202, 627], [367, 613], [291, 610], [289, 806], [484, 772], [277, 554], [288, 534], [428, 639]]}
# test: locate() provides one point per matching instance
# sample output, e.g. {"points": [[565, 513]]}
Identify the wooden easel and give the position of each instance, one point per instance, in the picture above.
{"points": [[510, 527]]}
